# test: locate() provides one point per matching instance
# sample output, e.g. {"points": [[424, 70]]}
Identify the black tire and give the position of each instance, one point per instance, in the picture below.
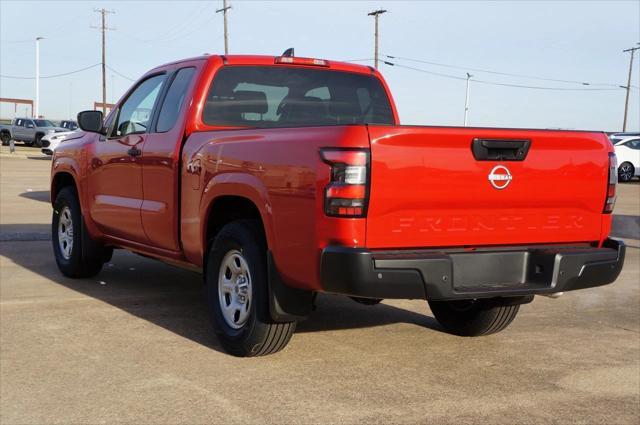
{"points": [[626, 171], [474, 317], [38, 140], [76, 263], [5, 138], [259, 335]]}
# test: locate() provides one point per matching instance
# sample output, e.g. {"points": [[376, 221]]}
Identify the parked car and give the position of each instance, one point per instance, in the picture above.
{"points": [[52, 140], [628, 153], [617, 137], [282, 177], [69, 125], [28, 130]]}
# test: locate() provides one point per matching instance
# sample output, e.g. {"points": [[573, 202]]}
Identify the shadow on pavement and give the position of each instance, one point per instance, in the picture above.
{"points": [[25, 232], [36, 195], [625, 226], [173, 298]]}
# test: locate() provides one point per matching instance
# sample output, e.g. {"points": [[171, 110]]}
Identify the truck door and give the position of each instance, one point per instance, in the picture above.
{"points": [[115, 173], [18, 129], [29, 131], [161, 160]]}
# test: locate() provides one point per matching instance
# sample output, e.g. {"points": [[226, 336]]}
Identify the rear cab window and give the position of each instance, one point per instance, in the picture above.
{"points": [[174, 99], [274, 96]]}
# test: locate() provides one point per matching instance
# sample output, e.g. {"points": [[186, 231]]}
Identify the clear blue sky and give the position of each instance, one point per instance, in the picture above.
{"points": [[573, 40]]}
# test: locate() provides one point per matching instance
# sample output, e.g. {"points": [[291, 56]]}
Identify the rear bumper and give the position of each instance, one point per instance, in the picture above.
{"points": [[447, 275]]}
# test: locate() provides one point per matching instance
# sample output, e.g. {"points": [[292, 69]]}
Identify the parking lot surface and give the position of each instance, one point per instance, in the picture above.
{"points": [[134, 345]]}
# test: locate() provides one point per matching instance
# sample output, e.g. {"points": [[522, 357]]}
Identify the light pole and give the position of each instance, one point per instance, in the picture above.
{"points": [[36, 107], [466, 100], [376, 14]]}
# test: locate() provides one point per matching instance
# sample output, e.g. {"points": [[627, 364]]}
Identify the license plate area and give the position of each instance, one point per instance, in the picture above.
{"points": [[502, 270]]}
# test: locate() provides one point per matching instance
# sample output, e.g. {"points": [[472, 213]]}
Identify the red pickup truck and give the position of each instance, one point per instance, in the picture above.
{"points": [[282, 177]]}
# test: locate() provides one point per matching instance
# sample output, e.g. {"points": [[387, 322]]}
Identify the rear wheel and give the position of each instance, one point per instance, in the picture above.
{"points": [[626, 172], [5, 138], [474, 317], [38, 141], [237, 292], [67, 230]]}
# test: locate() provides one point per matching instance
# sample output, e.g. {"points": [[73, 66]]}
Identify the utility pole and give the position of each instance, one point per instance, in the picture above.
{"points": [[376, 14], [224, 10], [103, 27], [628, 87], [466, 100], [36, 109]]}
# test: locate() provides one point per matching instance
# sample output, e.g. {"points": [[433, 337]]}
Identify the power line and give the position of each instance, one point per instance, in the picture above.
{"points": [[495, 83], [508, 74], [120, 74], [13, 77], [175, 32]]}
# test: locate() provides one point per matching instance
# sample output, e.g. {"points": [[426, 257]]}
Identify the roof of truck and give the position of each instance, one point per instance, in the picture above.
{"points": [[271, 60]]}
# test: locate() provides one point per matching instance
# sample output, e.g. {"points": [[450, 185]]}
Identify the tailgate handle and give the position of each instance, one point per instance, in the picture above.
{"points": [[500, 149]]}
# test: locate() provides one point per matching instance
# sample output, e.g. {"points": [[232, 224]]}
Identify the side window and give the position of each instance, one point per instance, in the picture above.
{"points": [[633, 144], [19, 123], [28, 124], [134, 114], [174, 99]]}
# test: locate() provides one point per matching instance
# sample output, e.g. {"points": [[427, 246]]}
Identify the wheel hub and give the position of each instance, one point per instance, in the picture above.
{"points": [[234, 289], [65, 233]]}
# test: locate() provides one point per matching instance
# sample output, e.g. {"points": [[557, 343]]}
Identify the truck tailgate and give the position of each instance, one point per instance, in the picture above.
{"points": [[429, 190]]}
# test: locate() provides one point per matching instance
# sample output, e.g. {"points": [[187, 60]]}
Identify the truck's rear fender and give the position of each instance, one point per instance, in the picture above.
{"points": [[233, 196], [281, 172]]}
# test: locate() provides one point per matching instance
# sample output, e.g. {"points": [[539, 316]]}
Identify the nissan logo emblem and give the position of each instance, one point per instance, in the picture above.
{"points": [[500, 177]]}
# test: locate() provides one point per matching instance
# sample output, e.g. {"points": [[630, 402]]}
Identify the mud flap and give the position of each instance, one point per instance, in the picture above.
{"points": [[92, 249], [286, 304]]}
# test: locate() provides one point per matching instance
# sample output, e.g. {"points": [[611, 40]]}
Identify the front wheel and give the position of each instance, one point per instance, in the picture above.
{"points": [[476, 317], [238, 295], [66, 234], [626, 172], [5, 138]]}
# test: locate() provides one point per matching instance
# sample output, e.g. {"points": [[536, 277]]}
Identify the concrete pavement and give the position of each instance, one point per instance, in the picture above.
{"points": [[134, 345]]}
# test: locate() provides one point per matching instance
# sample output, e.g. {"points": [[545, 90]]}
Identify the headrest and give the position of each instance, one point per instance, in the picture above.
{"points": [[250, 101]]}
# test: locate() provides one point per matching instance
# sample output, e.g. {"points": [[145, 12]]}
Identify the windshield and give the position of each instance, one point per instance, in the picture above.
{"points": [[43, 123], [268, 96]]}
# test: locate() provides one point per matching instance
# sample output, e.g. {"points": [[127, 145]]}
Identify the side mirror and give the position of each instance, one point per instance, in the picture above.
{"points": [[90, 121]]}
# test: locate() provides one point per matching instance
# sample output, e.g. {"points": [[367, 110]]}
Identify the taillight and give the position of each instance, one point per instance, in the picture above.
{"points": [[347, 194], [611, 184]]}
